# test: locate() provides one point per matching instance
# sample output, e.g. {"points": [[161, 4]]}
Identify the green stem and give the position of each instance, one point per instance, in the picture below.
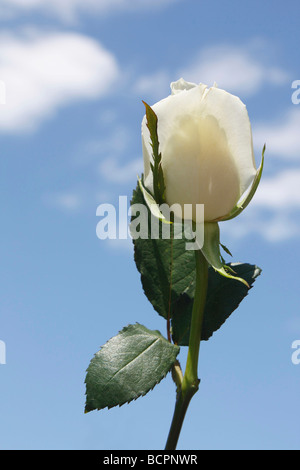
{"points": [[190, 382]]}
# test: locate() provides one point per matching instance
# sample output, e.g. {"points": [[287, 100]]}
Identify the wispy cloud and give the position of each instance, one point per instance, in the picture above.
{"points": [[70, 10], [112, 155], [282, 137], [280, 191], [113, 170], [273, 226], [67, 201], [154, 86], [116, 142], [237, 69], [274, 213], [43, 72]]}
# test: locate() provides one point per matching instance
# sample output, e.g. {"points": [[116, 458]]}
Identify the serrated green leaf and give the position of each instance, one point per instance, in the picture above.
{"points": [[168, 278], [128, 366], [166, 267], [223, 297]]}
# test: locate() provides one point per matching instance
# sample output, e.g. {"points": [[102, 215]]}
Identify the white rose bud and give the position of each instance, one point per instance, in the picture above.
{"points": [[205, 141], [197, 147]]}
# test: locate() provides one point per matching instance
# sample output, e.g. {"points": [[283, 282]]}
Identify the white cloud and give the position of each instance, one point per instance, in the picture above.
{"points": [[280, 191], [274, 212], [236, 69], [154, 86], [274, 227], [111, 154], [70, 10], [116, 142], [282, 138], [43, 72], [112, 170], [68, 201]]}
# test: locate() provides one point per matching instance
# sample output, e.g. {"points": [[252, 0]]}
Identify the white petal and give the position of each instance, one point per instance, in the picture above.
{"points": [[181, 84], [233, 118]]}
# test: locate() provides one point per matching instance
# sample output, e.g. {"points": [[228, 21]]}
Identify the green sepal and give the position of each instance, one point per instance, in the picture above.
{"points": [[247, 199], [226, 249], [156, 167], [152, 204], [211, 251]]}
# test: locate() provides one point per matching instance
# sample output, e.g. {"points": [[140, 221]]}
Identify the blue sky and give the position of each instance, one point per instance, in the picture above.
{"points": [[76, 74]]}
